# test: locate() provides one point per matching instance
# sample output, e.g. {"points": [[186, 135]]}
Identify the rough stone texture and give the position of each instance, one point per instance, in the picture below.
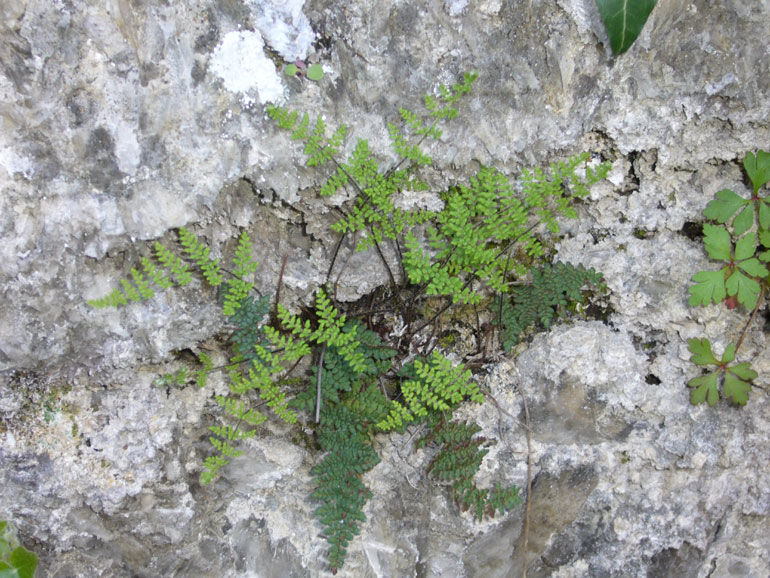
{"points": [[122, 120]]}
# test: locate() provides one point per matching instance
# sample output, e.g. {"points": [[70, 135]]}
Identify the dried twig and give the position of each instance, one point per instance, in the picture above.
{"points": [[529, 469], [529, 481]]}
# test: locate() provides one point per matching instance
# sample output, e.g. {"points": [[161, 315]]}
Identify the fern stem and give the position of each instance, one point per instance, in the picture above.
{"points": [[278, 287], [318, 384], [342, 269], [333, 261]]}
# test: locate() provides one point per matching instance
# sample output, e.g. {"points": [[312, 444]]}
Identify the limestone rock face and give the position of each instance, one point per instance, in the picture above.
{"points": [[123, 120]]}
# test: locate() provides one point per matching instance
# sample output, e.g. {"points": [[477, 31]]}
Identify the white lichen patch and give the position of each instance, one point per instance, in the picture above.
{"points": [[239, 60]]}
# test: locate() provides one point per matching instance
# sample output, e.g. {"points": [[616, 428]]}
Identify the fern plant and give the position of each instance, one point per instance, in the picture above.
{"points": [[365, 381], [741, 244]]}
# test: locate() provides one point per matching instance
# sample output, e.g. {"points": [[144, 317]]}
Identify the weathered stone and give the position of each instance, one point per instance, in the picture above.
{"points": [[121, 121]]}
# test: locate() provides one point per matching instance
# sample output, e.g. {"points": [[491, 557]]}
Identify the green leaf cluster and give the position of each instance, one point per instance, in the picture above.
{"points": [[741, 243], [741, 275], [15, 560], [546, 298], [735, 378], [300, 69]]}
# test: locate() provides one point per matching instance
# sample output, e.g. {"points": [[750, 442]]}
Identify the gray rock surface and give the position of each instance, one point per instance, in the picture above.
{"points": [[122, 120]]}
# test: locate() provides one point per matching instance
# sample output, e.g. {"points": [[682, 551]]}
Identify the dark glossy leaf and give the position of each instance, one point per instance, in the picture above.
{"points": [[624, 20]]}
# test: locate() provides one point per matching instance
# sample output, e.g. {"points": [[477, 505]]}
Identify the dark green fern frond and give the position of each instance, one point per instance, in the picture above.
{"points": [[552, 289], [340, 490], [458, 460], [339, 376], [248, 318]]}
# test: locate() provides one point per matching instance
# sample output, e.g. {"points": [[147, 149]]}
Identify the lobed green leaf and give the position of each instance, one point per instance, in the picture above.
{"points": [[724, 206], [717, 242], [709, 287], [706, 388], [758, 168], [701, 352]]}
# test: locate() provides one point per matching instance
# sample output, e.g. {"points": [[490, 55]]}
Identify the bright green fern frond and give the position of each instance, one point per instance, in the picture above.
{"points": [[284, 118], [170, 261], [318, 148], [244, 264], [113, 299], [241, 411], [199, 253], [550, 194], [438, 387], [201, 376]]}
